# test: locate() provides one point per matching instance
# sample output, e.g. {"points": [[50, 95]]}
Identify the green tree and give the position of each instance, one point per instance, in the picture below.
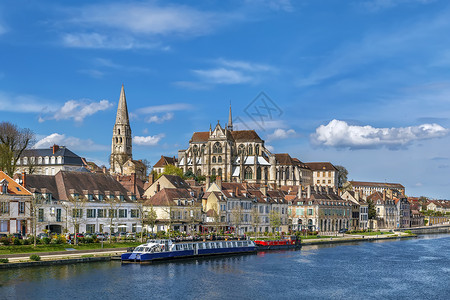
{"points": [[372, 210], [342, 175], [189, 174], [172, 170], [274, 219], [13, 141]]}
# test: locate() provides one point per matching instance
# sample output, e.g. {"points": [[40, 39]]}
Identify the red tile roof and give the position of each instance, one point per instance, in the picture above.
{"points": [[321, 166], [13, 187]]}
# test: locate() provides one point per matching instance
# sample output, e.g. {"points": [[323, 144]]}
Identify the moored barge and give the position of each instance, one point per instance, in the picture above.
{"points": [[292, 243], [161, 250]]}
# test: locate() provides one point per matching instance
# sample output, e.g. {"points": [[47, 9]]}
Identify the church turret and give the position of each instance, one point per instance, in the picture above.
{"points": [[121, 149], [230, 121]]}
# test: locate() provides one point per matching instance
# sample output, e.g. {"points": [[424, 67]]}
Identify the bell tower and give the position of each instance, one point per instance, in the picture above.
{"points": [[121, 148]]}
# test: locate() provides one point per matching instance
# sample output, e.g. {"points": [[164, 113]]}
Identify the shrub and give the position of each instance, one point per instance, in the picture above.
{"points": [[35, 257], [17, 241], [408, 231], [5, 241], [26, 242], [46, 240], [89, 240], [4, 260]]}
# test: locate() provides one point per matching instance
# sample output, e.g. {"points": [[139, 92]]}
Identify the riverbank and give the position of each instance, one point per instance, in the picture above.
{"points": [[22, 260]]}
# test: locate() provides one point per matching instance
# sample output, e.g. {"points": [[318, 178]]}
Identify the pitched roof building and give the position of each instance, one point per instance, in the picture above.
{"points": [[49, 161], [368, 188]]}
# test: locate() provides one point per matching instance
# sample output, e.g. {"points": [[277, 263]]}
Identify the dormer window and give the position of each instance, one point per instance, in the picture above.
{"points": [[4, 186]]}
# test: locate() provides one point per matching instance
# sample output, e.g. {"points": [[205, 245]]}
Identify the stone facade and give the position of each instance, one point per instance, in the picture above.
{"points": [[121, 148], [238, 156]]}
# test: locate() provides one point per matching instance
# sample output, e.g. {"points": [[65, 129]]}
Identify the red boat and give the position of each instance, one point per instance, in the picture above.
{"points": [[291, 243]]}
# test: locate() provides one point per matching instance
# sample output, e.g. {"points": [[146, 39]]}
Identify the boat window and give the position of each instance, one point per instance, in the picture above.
{"points": [[213, 245], [208, 246], [218, 245], [138, 249], [200, 246]]}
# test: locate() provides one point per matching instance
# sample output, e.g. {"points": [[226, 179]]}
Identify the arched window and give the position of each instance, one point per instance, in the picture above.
{"points": [[266, 173], [217, 148], [258, 173], [190, 169], [219, 159], [219, 172], [203, 149], [250, 150], [241, 149], [118, 131], [257, 150], [214, 160], [248, 174], [196, 150], [287, 174], [213, 172], [199, 172]]}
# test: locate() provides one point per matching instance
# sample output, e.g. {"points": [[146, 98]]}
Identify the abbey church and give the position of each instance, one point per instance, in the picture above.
{"points": [[240, 155]]}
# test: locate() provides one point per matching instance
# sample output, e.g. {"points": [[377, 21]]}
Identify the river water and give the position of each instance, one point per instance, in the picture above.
{"points": [[416, 268]]}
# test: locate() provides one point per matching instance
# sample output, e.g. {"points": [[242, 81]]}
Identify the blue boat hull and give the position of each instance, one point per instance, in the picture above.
{"points": [[160, 256]]}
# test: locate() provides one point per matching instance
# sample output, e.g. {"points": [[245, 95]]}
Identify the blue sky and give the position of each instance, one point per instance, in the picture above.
{"points": [[364, 84]]}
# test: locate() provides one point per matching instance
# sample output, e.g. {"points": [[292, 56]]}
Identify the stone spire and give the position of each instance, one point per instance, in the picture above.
{"points": [[230, 120], [121, 148], [122, 110]]}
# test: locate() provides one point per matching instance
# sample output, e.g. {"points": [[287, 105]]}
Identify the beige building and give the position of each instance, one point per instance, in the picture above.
{"points": [[324, 174], [15, 207], [368, 188]]}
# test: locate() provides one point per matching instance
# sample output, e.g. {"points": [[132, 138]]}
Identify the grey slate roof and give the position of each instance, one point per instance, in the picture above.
{"points": [[69, 158]]}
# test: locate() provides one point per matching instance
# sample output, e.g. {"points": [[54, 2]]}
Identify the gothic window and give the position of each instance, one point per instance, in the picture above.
{"points": [[287, 173], [190, 169], [266, 173], [219, 172], [214, 160], [118, 131], [213, 172], [250, 150], [196, 150], [257, 150], [241, 149], [203, 149], [248, 174], [219, 159], [258, 173], [199, 172], [217, 148], [120, 140]]}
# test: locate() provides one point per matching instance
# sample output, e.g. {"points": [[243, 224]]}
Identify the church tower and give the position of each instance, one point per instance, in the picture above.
{"points": [[121, 149]]}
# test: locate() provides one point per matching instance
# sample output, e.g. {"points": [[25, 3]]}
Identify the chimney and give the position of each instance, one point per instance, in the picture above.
{"points": [[236, 190], [219, 182], [208, 182], [308, 192], [55, 148], [158, 187], [24, 179], [263, 189], [384, 195], [151, 178], [300, 192]]}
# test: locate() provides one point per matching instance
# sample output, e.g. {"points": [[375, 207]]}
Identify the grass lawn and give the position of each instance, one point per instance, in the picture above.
{"points": [[318, 237], [17, 249], [373, 233]]}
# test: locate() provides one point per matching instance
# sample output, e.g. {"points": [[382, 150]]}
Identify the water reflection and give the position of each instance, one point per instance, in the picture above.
{"points": [[412, 268]]}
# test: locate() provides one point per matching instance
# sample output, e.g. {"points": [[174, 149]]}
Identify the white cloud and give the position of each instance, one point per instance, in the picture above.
{"points": [[73, 143], [270, 148], [139, 25], [275, 5], [22, 103], [93, 73], [280, 134], [164, 108], [228, 72], [148, 140], [2, 29], [160, 119], [223, 76], [342, 135], [78, 110], [377, 5]]}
